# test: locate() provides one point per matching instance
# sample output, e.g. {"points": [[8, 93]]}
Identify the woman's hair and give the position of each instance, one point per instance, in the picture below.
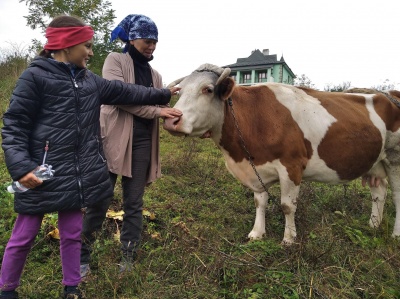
{"points": [[62, 21]]}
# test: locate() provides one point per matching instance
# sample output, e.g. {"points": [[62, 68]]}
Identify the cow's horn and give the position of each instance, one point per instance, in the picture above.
{"points": [[176, 82], [224, 74]]}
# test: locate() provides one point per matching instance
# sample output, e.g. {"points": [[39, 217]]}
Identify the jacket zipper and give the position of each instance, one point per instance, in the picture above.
{"points": [[46, 148], [78, 130]]}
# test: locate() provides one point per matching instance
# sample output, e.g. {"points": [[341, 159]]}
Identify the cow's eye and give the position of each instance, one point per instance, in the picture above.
{"points": [[208, 90]]}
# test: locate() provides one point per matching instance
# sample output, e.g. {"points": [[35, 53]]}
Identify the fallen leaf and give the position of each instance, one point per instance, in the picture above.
{"points": [[149, 214], [156, 236], [115, 215], [55, 234], [120, 214], [117, 235], [183, 226]]}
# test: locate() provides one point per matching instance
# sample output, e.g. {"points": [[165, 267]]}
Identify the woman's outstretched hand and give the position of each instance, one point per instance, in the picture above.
{"points": [[170, 112]]}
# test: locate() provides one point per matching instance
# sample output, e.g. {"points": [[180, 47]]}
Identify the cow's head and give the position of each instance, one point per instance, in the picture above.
{"points": [[201, 100]]}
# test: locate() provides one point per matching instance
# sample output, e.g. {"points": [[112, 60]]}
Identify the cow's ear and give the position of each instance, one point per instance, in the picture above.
{"points": [[225, 88]]}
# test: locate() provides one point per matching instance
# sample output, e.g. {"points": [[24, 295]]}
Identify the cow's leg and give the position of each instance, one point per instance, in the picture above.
{"points": [[378, 195], [260, 200], [394, 181], [289, 196], [396, 200]]}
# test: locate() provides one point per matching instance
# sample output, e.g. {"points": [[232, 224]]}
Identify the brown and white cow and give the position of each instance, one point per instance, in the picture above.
{"points": [[292, 134]]}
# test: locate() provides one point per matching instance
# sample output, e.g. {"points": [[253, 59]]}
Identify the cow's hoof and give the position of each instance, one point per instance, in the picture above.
{"points": [[253, 235], [374, 222], [396, 236], [287, 242]]}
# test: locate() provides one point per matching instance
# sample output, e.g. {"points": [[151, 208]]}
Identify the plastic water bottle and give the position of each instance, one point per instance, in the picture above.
{"points": [[43, 172], [16, 187]]}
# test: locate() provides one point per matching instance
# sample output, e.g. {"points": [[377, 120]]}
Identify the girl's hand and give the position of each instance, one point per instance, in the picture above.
{"points": [[174, 90], [30, 180]]}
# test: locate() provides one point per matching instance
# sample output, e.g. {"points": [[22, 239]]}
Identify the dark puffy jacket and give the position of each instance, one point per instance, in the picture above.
{"points": [[49, 106]]}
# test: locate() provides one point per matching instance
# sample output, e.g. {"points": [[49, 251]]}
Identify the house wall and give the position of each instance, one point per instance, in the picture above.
{"points": [[281, 74], [286, 77], [277, 73]]}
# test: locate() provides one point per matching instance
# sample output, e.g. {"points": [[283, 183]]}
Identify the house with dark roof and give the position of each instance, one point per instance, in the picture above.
{"points": [[261, 67]]}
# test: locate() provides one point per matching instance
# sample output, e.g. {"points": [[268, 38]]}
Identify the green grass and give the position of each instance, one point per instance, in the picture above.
{"points": [[197, 247]]}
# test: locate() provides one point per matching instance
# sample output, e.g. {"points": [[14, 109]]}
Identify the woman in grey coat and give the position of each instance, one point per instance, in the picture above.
{"points": [[130, 136]]}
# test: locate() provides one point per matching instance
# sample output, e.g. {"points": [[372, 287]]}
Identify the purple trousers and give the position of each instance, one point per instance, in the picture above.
{"points": [[25, 230]]}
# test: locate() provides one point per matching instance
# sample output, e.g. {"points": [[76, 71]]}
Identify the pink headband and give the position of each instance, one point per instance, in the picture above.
{"points": [[65, 37]]}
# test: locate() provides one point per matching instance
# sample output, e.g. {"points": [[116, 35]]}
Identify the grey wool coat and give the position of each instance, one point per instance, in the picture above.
{"points": [[117, 122]]}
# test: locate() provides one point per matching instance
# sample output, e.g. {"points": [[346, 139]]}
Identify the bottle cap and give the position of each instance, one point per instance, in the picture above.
{"points": [[10, 189]]}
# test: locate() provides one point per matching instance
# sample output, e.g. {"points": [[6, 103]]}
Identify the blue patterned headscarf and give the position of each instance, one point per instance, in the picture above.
{"points": [[134, 27]]}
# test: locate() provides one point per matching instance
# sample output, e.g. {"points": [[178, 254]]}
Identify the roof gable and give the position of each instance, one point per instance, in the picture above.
{"points": [[255, 58]]}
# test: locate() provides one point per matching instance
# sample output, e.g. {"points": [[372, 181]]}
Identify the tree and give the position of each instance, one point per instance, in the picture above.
{"points": [[96, 13], [339, 87], [386, 85], [13, 61], [303, 80]]}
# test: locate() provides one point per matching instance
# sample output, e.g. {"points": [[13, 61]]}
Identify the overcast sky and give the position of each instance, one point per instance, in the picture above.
{"points": [[331, 42]]}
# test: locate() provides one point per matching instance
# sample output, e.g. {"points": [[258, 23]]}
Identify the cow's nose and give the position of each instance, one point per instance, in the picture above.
{"points": [[171, 124], [176, 120]]}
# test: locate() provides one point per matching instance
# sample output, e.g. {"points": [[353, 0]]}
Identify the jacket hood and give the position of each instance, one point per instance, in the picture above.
{"points": [[52, 65]]}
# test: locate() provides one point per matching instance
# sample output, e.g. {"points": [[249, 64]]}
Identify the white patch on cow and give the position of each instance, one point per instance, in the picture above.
{"points": [[243, 171], [314, 121], [375, 118], [317, 171]]}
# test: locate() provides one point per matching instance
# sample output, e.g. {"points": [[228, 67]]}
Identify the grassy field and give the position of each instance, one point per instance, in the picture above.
{"points": [[196, 244]]}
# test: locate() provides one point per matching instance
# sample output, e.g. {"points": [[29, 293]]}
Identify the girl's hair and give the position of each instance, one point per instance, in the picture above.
{"points": [[62, 21]]}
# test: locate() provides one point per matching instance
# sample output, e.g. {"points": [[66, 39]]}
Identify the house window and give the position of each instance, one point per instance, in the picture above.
{"points": [[246, 78], [262, 77]]}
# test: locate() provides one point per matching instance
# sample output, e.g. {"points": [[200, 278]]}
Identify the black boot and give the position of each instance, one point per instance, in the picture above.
{"points": [[127, 261], [72, 292], [9, 295]]}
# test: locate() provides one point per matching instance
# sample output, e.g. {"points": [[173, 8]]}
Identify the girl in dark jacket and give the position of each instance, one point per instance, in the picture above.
{"points": [[54, 113]]}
